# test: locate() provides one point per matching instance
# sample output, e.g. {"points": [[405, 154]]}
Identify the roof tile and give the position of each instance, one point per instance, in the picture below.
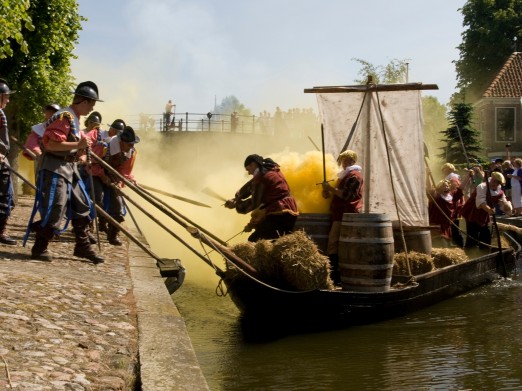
{"points": [[508, 82]]}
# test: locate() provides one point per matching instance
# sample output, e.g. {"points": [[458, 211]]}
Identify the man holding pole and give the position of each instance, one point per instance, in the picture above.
{"points": [[61, 192], [6, 186], [121, 154]]}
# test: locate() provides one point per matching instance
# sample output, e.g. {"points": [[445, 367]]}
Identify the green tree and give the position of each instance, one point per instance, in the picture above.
{"points": [[36, 62], [230, 104], [492, 29], [456, 150], [396, 71], [435, 121], [15, 17]]}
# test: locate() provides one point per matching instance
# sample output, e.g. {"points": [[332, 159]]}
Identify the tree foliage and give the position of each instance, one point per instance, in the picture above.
{"points": [[230, 104], [15, 17], [36, 62], [396, 71], [435, 122], [456, 150], [492, 29]]}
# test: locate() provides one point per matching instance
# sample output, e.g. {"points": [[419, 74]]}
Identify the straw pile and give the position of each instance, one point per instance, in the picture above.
{"points": [[419, 263], [443, 257], [423, 263], [290, 262]]}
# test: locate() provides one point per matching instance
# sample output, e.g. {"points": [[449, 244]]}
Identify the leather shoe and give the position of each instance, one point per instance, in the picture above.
{"points": [[91, 256], [7, 240], [115, 241], [44, 256]]}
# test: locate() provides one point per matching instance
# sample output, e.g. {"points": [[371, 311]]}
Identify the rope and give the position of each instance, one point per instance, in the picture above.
{"points": [[393, 185]]}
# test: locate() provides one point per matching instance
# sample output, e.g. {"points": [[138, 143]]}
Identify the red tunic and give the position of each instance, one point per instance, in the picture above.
{"points": [[351, 201], [272, 190], [442, 212], [471, 213]]}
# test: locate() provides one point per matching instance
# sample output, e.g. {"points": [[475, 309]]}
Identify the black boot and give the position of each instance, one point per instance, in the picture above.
{"points": [[92, 238], [335, 275], [39, 251], [83, 247], [4, 238], [102, 224], [112, 236]]}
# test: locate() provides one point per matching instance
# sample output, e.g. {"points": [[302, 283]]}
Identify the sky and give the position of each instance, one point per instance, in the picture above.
{"points": [[265, 53]]}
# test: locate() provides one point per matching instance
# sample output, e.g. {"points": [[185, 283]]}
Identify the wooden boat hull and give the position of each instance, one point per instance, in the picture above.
{"points": [[320, 309]]}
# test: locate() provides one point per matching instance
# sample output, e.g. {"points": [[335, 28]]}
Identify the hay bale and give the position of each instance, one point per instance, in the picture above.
{"points": [[265, 262], [443, 257], [301, 264], [292, 261], [419, 263], [245, 251]]}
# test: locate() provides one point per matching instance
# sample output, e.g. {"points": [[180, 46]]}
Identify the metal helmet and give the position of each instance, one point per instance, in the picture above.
{"points": [[129, 136], [4, 88], [118, 124], [53, 107], [94, 117], [87, 89]]}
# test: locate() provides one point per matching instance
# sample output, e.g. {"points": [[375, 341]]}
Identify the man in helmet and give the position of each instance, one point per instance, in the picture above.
{"points": [[6, 187], [115, 128], [121, 154], [33, 140], [61, 193]]}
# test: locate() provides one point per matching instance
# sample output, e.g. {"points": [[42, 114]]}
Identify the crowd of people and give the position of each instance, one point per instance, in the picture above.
{"points": [[475, 197], [69, 182]]}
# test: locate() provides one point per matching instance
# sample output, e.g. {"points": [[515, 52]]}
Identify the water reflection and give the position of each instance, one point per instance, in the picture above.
{"points": [[468, 343]]}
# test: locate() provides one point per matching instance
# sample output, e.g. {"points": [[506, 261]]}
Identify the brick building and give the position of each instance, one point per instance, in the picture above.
{"points": [[498, 112]]}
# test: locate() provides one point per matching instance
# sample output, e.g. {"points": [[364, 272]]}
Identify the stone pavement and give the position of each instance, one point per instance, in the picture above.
{"points": [[73, 325]]}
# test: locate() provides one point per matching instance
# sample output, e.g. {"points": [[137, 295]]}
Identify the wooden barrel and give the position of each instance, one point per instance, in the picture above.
{"points": [[417, 239], [317, 226], [366, 252]]}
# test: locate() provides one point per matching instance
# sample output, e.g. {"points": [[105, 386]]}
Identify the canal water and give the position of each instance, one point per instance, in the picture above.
{"points": [[471, 342]]}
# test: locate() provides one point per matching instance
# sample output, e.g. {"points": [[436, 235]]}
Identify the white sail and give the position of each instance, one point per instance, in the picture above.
{"points": [[399, 192]]}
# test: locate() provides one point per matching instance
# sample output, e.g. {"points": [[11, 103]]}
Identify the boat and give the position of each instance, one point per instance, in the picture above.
{"points": [[383, 121], [331, 309]]}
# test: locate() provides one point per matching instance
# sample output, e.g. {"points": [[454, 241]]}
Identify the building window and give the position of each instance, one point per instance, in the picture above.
{"points": [[505, 124]]}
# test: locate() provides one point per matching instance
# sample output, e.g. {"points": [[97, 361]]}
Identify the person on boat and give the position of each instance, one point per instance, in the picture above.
{"points": [[515, 178], [347, 198], [61, 193], [444, 208], [480, 206], [267, 195]]}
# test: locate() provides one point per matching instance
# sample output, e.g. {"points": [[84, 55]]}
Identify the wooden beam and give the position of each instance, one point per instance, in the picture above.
{"points": [[372, 87]]}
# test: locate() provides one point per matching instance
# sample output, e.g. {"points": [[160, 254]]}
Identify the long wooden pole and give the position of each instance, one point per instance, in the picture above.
{"points": [[194, 231], [155, 201], [150, 216], [499, 242], [174, 196]]}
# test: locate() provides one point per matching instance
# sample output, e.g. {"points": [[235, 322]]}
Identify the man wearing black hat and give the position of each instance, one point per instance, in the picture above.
{"points": [[115, 128], [121, 154], [61, 193], [267, 196], [6, 186]]}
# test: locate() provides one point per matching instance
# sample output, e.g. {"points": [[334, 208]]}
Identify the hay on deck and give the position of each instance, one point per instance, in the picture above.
{"points": [[443, 257], [419, 263], [292, 261]]}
